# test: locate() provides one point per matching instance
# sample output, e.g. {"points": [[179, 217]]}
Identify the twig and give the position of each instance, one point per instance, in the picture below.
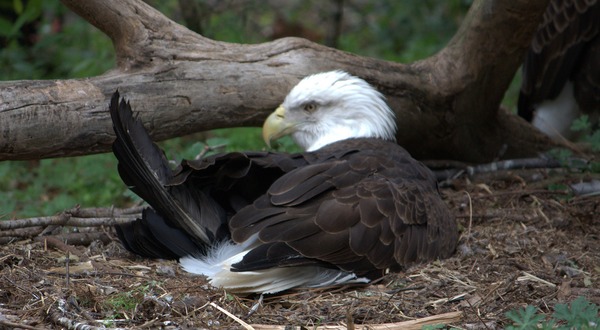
{"points": [[409, 288], [63, 220], [591, 188], [511, 164], [207, 148], [470, 218], [529, 277], [477, 314], [69, 238], [75, 325], [149, 324], [522, 193], [21, 232], [78, 238], [445, 318], [52, 241], [67, 265], [103, 212], [56, 243], [12, 325], [235, 318], [255, 306], [11, 230]]}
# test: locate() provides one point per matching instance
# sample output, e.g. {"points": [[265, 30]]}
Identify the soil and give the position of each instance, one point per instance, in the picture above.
{"points": [[521, 244]]}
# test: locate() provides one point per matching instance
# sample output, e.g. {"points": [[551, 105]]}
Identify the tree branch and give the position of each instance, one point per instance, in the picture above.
{"points": [[180, 82], [88, 217]]}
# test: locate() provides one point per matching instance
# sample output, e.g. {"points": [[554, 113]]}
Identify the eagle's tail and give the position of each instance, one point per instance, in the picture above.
{"points": [[175, 227]]}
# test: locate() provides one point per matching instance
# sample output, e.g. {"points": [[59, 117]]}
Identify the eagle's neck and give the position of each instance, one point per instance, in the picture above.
{"points": [[337, 128], [337, 133]]}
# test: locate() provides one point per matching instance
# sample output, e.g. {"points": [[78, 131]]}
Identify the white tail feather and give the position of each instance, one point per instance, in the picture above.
{"points": [[217, 267], [554, 117]]}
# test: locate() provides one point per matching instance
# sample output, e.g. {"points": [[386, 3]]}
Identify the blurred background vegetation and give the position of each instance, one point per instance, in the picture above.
{"points": [[42, 39]]}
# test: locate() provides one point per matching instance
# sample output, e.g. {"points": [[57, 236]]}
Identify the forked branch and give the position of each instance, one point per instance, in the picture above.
{"points": [[447, 105]]}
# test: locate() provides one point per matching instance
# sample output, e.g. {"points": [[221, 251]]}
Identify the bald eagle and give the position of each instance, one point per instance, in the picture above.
{"points": [[352, 207], [561, 71]]}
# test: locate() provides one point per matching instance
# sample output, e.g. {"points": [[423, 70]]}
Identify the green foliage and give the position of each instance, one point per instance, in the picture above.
{"points": [[249, 138], [222, 140], [404, 31], [590, 135], [581, 124], [524, 318], [122, 303], [33, 188], [44, 40], [562, 155], [558, 187], [581, 314], [236, 139], [567, 160]]}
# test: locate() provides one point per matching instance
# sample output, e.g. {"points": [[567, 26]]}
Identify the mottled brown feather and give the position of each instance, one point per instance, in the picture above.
{"points": [[563, 48], [390, 215]]}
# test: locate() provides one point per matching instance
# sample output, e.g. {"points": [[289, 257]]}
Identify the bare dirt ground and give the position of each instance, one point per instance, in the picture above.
{"points": [[520, 244]]}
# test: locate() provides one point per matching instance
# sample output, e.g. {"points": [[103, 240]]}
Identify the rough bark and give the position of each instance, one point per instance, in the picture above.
{"points": [[180, 82]]}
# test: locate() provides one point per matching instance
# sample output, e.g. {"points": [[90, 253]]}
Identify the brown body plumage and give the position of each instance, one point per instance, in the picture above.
{"points": [[266, 222]]}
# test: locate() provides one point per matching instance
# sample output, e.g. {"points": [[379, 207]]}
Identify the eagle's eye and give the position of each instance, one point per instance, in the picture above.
{"points": [[310, 107]]}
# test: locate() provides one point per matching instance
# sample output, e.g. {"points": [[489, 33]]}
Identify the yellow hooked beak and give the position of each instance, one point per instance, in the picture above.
{"points": [[276, 126]]}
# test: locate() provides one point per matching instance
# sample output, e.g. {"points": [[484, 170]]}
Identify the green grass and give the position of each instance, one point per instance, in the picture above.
{"points": [[37, 188], [123, 304]]}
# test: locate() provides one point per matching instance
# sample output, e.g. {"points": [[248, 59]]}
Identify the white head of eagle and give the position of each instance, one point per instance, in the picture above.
{"points": [[328, 107]]}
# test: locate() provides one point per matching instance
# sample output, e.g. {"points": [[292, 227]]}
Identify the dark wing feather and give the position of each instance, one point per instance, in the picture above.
{"points": [[587, 79], [333, 214], [389, 216], [306, 183], [362, 239], [144, 168], [559, 52], [152, 237], [193, 202]]}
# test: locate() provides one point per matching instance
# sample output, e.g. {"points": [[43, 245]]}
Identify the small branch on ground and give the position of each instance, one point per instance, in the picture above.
{"points": [[446, 318], [591, 188], [52, 241], [40, 227], [77, 218], [21, 232], [13, 325], [103, 212], [456, 169], [60, 221], [78, 238]]}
